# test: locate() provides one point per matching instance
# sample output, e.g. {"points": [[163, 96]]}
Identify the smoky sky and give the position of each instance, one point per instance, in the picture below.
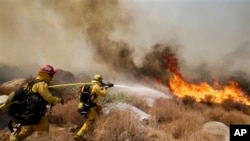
{"points": [[119, 37]]}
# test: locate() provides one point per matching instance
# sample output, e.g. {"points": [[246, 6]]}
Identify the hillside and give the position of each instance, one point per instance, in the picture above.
{"points": [[180, 68], [130, 116]]}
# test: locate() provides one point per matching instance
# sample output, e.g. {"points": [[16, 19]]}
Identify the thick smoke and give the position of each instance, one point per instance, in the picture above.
{"points": [[72, 35], [129, 38], [97, 20]]}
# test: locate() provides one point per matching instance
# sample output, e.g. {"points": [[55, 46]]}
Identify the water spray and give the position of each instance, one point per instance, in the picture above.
{"points": [[138, 90], [144, 91]]}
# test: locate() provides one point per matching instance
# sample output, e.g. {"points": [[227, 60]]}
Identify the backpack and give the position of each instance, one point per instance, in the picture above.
{"points": [[85, 98], [26, 107]]}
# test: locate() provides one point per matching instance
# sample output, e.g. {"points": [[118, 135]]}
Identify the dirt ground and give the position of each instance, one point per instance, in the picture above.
{"points": [[4, 134], [56, 133]]}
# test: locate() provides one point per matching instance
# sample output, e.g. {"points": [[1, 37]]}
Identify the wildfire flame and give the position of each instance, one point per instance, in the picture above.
{"points": [[202, 91]]}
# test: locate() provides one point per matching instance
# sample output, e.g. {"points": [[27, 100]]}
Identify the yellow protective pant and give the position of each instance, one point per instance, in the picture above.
{"points": [[90, 118], [42, 127]]}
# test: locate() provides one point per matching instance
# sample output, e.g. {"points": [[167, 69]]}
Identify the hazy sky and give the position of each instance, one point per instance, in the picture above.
{"points": [[205, 28], [214, 32]]}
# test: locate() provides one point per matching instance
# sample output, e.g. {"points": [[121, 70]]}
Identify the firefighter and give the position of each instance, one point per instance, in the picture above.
{"points": [[45, 74], [96, 89]]}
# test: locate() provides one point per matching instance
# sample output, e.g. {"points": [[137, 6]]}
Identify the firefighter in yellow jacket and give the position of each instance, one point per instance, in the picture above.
{"points": [[97, 89], [45, 74]]}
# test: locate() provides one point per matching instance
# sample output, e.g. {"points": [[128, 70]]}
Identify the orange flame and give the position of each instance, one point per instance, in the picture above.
{"points": [[200, 92]]}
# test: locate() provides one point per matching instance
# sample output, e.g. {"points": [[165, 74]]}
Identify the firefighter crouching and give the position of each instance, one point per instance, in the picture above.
{"points": [[97, 88]]}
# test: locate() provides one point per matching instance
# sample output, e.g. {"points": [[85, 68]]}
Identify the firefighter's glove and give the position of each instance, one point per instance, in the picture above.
{"points": [[108, 85]]}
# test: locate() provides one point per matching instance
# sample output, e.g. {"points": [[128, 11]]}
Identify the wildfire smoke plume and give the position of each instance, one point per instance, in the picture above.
{"points": [[203, 91]]}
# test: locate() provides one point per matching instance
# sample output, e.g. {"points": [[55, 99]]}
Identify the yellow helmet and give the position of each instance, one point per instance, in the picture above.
{"points": [[97, 77]]}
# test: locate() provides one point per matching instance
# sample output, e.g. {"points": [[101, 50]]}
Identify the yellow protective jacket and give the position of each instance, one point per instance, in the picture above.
{"points": [[43, 89], [97, 89]]}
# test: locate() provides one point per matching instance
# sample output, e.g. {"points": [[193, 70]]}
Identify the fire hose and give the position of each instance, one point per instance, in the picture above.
{"points": [[108, 85], [68, 85]]}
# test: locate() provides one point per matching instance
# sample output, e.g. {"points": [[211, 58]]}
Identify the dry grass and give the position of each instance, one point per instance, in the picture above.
{"points": [[165, 110], [119, 126], [171, 120], [235, 117], [67, 113], [200, 136], [174, 118], [117, 97], [229, 105]]}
